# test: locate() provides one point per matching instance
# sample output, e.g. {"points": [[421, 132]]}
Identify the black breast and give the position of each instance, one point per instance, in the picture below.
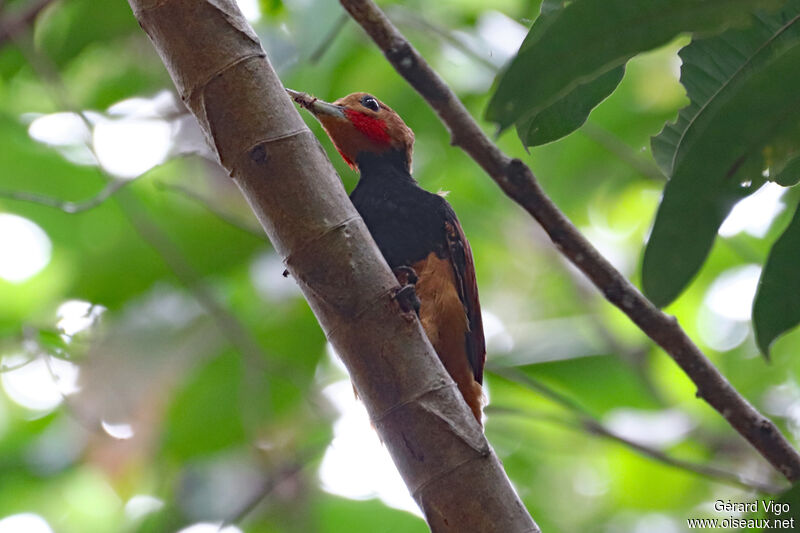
{"points": [[406, 221]]}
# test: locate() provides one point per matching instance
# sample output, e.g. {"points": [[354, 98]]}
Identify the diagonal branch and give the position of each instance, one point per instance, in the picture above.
{"points": [[222, 74], [616, 146], [67, 206], [330, 37], [10, 27], [519, 183], [584, 420], [411, 18], [206, 203]]}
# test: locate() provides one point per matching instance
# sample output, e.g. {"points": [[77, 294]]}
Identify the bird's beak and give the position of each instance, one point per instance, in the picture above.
{"points": [[317, 107]]}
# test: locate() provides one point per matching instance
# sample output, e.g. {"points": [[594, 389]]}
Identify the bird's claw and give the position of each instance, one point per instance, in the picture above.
{"points": [[406, 296], [406, 275]]}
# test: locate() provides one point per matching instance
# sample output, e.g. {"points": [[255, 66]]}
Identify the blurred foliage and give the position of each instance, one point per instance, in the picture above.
{"points": [[774, 310], [570, 45], [740, 128], [200, 378]]}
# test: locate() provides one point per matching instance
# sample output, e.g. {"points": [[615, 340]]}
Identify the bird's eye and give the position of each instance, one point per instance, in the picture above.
{"points": [[370, 103]]}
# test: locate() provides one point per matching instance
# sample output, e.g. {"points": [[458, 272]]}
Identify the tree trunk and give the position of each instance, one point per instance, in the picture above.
{"points": [[224, 77]]}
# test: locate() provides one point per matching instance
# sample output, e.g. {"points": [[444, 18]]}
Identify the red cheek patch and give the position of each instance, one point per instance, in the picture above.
{"points": [[372, 128]]}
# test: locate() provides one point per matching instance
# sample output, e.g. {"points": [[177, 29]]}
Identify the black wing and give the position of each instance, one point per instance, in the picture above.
{"points": [[464, 270]]}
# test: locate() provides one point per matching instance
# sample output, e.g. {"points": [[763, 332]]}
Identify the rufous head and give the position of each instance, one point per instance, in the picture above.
{"points": [[359, 123]]}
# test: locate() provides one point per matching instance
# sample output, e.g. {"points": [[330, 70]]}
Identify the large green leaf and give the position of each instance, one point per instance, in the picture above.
{"points": [[784, 511], [572, 46], [776, 308], [788, 173], [743, 116], [568, 113]]}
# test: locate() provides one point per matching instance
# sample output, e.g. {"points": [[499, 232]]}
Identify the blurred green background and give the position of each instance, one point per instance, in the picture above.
{"points": [[159, 374]]}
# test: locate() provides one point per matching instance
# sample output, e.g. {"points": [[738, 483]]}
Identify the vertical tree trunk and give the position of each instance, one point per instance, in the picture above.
{"points": [[224, 77]]}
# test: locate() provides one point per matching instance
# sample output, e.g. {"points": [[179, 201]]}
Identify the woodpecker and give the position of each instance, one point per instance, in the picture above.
{"points": [[416, 231]]}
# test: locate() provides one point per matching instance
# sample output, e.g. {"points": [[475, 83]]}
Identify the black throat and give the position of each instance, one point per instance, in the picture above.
{"points": [[406, 221], [389, 165]]}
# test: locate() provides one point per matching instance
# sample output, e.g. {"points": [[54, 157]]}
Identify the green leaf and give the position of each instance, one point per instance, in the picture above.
{"points": [[743, 114], [789, 174], [686, 225], [334, 514], [271, 8], [568, 113], [776, 308], [569, 48], [51, 342], [784, 512]]}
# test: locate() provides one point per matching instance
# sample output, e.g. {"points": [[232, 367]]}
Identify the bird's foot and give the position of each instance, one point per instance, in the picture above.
{"points": [[405, 275], [406, 296]]}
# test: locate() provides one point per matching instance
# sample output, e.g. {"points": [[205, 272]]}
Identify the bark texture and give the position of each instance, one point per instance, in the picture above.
{"points": [[224, 77]]}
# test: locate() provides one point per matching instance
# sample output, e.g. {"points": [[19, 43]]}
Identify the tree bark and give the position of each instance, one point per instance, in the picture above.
{"points": [[224, 77]]}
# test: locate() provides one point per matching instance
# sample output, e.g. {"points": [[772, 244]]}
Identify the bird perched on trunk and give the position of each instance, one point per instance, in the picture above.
{"points": [[416, 231]]}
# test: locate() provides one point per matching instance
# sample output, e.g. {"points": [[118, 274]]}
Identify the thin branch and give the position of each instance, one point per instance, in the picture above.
{"points": [[112, 187], [228, 323], [511, 374], [745, 249], [595, 428], [623, 151], [13, 27], [711, 472], [207, 204], [90, 424], [330, 37], [4, 368], [264, 491], [230, 326], [48, 72], [411, 18], [302, 461], [587, 422], [634, 356], [519, 183]]}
